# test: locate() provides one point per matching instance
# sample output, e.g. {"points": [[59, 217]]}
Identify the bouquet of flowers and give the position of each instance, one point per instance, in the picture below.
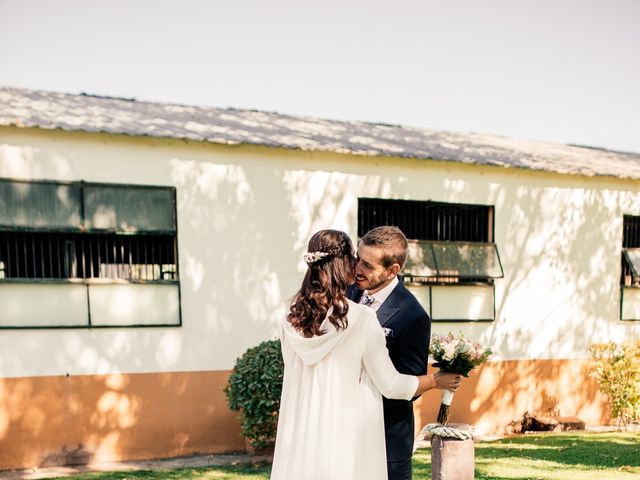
{"points": [[455, 355]]}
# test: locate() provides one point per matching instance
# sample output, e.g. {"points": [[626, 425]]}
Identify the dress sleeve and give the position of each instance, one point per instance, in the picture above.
{"points": [[386, 378]]}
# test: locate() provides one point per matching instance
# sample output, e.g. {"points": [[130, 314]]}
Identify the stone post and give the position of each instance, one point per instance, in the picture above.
{"points": [[452, 458]]}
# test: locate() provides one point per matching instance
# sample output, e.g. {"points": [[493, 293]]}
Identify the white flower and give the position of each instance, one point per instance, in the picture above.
{"points": [[449, 351], [313, 257]]}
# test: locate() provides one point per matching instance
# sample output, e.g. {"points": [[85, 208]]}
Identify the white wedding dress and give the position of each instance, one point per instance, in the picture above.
{"points": [[331, 425]]}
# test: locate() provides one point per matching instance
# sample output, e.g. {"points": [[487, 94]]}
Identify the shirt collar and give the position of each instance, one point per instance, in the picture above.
{"points": [[383, 294]]}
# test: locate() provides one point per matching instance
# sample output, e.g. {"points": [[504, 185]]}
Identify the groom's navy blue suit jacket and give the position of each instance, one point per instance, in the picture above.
{"points": [[407, 328]]}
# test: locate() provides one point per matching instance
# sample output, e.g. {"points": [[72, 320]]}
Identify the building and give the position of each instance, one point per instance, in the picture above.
{"points": [[145, 246]]}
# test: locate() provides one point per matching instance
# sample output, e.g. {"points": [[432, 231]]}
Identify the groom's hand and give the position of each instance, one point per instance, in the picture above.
{"points": [[447, 381]]}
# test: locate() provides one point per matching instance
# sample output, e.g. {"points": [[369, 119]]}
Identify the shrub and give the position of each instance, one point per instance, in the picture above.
{"points": [[617, 369], [254, 389]]}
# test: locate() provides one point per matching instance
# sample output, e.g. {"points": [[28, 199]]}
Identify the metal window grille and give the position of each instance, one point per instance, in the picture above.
{"points": [[630, 239], [425, 220], [80, 231], [52, 255]]}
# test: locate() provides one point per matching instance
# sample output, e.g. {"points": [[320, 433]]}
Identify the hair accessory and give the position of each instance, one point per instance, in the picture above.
{"points": [[313, 257]]}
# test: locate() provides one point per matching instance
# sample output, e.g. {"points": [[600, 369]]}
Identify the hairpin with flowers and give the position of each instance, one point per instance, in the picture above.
{"points": [[314, 257]]}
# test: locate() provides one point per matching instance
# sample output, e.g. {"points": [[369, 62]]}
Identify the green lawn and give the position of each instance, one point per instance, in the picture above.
{"points": [[240, 472], [584, 456]]}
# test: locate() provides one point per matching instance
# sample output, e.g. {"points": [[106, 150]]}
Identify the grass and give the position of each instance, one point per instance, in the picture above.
{"points": [[584, 456], [259, 471]]}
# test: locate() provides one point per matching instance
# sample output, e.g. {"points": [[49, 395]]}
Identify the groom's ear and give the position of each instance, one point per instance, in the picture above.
{"points": [[394, 269]]}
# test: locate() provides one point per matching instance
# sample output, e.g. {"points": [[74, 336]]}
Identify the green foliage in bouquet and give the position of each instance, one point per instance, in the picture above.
{"points": [[254, 389], [617, 369], [457, 354]]}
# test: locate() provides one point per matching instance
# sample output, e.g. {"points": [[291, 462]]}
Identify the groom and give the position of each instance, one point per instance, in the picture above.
{"points": [[382, 253]]}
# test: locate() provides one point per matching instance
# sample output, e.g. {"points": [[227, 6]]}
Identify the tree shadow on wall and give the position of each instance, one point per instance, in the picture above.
{"points": [[561, 255]]}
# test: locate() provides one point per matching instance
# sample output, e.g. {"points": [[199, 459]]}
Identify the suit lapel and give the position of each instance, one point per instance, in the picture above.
{"points": [[388, 309], [390, 306]]}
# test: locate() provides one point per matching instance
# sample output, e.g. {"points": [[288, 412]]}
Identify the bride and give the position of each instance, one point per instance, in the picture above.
{"points": [[336, 370]]}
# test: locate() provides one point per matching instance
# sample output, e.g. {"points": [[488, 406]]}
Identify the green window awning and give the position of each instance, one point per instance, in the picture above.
{"points": [[461, 260]]}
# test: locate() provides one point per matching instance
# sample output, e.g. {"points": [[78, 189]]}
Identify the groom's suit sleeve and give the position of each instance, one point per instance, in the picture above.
{"points": [[414, 345], [409, 350]]}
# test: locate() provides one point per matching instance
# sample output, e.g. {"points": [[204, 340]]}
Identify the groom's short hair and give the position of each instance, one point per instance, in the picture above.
{"points": [[391, 241]]}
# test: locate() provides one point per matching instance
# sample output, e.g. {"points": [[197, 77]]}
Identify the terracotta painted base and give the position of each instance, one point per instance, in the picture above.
{"points": [[47, 421], [103, 418], [499, 392]]}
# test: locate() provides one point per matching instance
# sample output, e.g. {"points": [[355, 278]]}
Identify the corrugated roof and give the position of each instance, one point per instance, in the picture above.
{"points": [[89, 113]]}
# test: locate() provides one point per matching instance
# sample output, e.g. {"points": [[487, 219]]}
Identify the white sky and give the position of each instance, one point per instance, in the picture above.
{"points": [[560, 70]]}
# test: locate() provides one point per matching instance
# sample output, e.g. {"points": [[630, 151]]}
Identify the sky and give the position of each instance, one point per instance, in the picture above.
{"points": [[565, 71]]}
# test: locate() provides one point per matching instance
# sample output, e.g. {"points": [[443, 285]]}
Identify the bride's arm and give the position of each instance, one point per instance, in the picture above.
{"points": [[386, 378], [378, 365], [440, 379]]}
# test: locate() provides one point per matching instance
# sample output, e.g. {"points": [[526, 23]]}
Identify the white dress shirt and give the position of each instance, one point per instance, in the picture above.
{"points": [[380, 296]]}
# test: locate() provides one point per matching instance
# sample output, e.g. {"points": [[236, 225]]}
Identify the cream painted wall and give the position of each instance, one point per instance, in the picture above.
{"points": [[246, 213]]}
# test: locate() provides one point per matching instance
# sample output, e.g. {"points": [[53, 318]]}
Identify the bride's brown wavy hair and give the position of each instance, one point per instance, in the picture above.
{"points": [[325, 284]]}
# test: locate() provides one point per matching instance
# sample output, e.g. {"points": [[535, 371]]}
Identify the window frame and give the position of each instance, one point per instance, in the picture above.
{"points": [[635, 272], [629, 222], [83, 230], [455, 218], [434, 319]]}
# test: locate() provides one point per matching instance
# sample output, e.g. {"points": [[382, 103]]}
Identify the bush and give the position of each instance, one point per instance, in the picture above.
{"points": [[254, 389], [617, 368]]}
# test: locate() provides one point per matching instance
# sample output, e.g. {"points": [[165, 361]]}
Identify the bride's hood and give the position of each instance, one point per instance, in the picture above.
{"points": [[313, 350]]}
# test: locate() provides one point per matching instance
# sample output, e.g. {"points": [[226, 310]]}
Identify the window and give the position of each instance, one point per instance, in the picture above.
{"points": [[451, 251], [83, 254], [630, 276]]}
